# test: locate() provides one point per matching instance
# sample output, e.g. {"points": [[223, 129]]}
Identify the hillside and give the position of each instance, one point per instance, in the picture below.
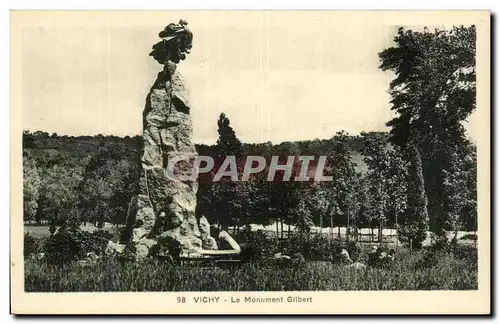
{"points": [[51, 149]]}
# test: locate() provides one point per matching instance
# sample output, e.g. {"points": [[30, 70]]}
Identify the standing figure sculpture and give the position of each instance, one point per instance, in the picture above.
{"points": [[177, 41], [163, 211]]}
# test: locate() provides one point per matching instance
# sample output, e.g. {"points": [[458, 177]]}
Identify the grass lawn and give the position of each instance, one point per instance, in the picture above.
{"points": [[409, 272], [42, 231]]}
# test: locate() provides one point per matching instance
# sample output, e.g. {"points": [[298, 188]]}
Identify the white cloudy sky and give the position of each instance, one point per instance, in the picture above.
{"points": [[277, 76]]}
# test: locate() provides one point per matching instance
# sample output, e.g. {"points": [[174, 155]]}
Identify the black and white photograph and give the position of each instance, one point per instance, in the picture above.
{"points": [[251, 158]]}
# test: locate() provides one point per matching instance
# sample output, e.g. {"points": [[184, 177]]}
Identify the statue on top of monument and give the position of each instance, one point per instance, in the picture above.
{"points": [[177, 41]]}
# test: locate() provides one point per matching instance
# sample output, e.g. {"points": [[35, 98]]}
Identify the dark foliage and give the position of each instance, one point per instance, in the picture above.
{"points": [[314, 247], [354, 250], [382, 257], [256, 246], [469, 237], [70, 244], [31, 245], [128, 253]]}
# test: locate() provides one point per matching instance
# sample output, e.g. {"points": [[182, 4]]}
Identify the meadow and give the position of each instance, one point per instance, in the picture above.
{"points": [[417, 270]]}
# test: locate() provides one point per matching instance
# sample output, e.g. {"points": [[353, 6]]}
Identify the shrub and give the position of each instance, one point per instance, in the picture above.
{"points": [[167, 248], [256, 246], [72, 244], [439, 250], [128, 253], [31, 245], [469, 237], [412, 236], [314, 247], [381, 257], [101, 234], [441, 243], [354, 250], [52, 228], [298, 258], [467, 253]]}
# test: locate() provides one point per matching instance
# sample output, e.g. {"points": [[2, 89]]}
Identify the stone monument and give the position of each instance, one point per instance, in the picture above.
{"points": [[164, 207]]}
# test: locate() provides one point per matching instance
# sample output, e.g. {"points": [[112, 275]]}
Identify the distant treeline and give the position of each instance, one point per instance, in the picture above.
{"points": [[92, 178], [43, 146]]}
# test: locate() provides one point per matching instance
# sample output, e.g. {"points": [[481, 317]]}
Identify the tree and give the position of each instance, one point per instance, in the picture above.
{"points": [[344, 206], [227, 143], [283, 201], [367, 214], [223, 200], [433, 92], [319, 197], [28, 140], [397, 186], [31, 186], [58, 199], [460, 188], [107, 186], [376, 155], [284, 195], [415, 224], [302, 216], [385, 178]]}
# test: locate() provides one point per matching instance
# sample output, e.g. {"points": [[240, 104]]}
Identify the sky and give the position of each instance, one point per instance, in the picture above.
{"points": [[277, 76]]}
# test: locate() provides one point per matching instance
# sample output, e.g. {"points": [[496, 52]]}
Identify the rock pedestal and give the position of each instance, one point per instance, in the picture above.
{"points": [[165, 206]]}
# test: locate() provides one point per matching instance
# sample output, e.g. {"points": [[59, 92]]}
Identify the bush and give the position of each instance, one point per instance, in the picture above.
{"points": [[256, 246], [354, 250], [314, 247], [101, 234], [469, 237], [466, 253], [430, 258], [128, 252], [31, 245], [434, 254], [381, 257], [72, 244], [412, 236], [167, 248]]}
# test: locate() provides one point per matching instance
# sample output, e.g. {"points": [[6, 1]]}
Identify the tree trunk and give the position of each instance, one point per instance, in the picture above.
{"points": [[396, 221], [380, 231], [281, 222], [475, 233], [380, 210], [348, 229], [331, 225], [417, 197]]}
